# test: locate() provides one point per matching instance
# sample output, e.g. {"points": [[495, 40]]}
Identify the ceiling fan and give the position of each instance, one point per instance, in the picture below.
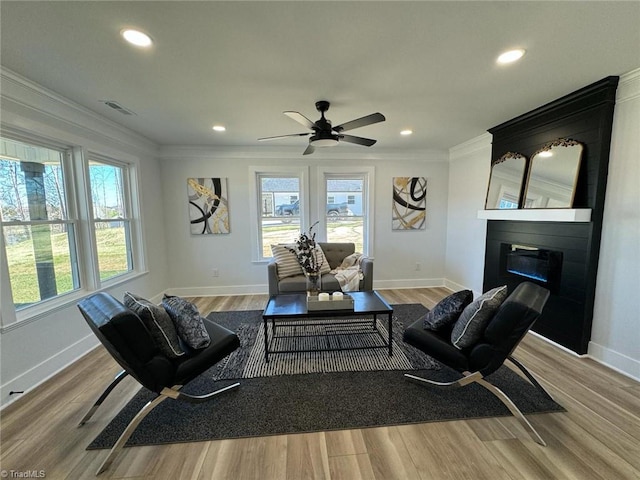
{"points": [[322, 134]]}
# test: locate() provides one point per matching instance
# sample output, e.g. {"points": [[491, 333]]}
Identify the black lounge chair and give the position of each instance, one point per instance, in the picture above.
{"points": [[502, 335], [129, 342]]}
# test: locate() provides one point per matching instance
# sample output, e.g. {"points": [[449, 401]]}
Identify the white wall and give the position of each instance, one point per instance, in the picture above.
{"points": [[34, 349], [615, 338], [469, 167], [192, 258]]}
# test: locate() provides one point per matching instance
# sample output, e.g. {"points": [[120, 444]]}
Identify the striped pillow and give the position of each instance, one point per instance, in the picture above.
{"points": [[286, 261], [320, 257]]}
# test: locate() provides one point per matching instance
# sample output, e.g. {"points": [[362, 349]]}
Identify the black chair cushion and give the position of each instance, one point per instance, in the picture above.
{"points": [[223, 342], [436, 344], [127, 339]]}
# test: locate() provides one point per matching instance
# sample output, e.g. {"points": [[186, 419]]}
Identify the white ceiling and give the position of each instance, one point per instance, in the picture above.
{"points": [[428, 66]]}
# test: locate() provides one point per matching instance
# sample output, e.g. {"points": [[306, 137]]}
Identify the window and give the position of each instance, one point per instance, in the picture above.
{"points": [[111, 220], [279, 212], [67, 225], [346, 218], [39, 233]]}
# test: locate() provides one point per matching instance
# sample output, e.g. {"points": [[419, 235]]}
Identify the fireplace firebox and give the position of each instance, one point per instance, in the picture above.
{"points": [[539, 265]]}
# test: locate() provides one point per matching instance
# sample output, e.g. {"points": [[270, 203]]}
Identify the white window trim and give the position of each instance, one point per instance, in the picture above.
{"points": [[80, 213], [368, 198], [286, 171]]}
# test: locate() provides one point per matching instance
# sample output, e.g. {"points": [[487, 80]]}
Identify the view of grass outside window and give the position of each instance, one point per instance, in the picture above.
{"points": [[38, 234], [113, 236]]}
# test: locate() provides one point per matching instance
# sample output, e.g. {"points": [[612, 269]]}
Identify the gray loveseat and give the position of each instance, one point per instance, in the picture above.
{"points": [[335, 253]]}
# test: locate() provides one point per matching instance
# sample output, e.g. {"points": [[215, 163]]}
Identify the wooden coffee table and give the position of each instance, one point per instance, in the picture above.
{"points": [[290, 310]]}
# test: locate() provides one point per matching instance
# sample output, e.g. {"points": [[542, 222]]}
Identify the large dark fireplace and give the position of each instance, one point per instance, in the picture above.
{"points": [[559, 255]]}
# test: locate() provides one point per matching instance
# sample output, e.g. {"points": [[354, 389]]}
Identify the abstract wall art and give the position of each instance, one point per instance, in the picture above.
{"points": [[409, 211], [208, 206]]}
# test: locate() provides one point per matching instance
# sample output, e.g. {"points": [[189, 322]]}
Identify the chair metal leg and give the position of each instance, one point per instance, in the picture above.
{"points": [[514, 410], [477, 377], [530, 376], [102, 397], [185, 397], [172, 393], [129, 430]]}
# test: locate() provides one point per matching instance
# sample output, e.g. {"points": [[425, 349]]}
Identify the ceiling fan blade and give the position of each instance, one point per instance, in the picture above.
{"points": [[301, 119], [360, 122], [367, 142], [263, 139], [310, 149]]}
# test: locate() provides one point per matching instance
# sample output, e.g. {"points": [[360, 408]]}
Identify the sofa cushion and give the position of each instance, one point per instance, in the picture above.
{"points": [[286, 261], [447, 311], [158, 323], [188, 321], [335, 252], [469, 328]]}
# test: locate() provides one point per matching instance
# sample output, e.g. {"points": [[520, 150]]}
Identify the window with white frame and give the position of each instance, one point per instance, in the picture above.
{"points": [[111, 218], [279, 212], [347, 218], [66, 225], [39, 231]]}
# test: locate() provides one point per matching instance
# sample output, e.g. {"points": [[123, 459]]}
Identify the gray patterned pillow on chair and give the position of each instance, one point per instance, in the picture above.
{"points": [[188, 321], [157, 320], [469, 328]]}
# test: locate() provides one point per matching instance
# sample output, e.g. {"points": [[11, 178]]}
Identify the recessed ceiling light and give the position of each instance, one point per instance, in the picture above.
{"points": [[219, 128], [511, 56], [406, 132], [136, 37]]}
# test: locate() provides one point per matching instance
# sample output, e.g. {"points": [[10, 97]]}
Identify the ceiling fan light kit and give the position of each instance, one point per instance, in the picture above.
{"points": [[322, 133]]}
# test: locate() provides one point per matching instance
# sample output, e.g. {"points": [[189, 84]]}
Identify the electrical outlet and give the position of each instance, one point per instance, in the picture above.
{"points": [[215, 272], [418, 266]]}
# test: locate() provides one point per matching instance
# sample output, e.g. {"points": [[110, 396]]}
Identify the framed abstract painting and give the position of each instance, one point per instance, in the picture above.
{"points": [[409, 207], [208, 206]]}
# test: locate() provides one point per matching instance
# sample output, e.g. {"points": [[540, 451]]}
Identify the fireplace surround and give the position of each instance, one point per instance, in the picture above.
{"points": [[559, 247]]}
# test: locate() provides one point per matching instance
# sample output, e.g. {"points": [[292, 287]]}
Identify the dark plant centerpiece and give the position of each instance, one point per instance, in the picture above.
{"points": [[306, 252]]}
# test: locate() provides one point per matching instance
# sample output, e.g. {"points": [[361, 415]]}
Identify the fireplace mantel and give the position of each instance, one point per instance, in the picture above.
{"points": [[538, 215]]}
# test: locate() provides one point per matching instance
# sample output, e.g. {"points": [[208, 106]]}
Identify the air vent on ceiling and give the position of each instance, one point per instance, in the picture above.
{"points": [[119, 108]]}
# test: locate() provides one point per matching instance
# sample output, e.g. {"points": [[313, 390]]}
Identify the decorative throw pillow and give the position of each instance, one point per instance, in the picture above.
{"points": [[157, 320], [188, 321], [447, 311], [470, 326], [322, 259], [286, 261]]}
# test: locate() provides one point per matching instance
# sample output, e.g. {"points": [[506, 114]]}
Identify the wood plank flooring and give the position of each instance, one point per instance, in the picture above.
{"points": [[597, 438]]}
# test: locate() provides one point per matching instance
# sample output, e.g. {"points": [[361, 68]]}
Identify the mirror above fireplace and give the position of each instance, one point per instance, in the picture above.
{"points": [[505, 182], [553, 174]]}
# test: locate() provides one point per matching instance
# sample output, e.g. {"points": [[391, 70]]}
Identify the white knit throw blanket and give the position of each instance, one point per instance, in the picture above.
{"points": [[349, 274]]}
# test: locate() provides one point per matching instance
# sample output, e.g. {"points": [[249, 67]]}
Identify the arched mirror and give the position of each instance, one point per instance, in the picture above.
{"points": [[505, 181], [553, 175]]}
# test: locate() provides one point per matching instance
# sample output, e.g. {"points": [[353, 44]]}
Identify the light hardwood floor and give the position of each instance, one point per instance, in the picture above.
{"points": [[597, 438]]}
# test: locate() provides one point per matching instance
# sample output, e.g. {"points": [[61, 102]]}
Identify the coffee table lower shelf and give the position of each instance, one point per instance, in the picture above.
{"points": [[293, 328]]}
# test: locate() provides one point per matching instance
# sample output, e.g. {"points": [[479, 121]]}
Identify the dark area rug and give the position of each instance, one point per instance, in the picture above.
{"points": [[335, 400]]}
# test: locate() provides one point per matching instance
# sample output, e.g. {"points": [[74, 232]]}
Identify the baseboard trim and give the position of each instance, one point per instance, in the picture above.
{"points": [[230, 290], [46, 369], [624, 365]]}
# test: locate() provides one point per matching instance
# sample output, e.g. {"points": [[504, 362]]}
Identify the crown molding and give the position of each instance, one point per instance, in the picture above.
{"points": [[175, 152], [629, 86], [471, 146], [25, 102]]}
